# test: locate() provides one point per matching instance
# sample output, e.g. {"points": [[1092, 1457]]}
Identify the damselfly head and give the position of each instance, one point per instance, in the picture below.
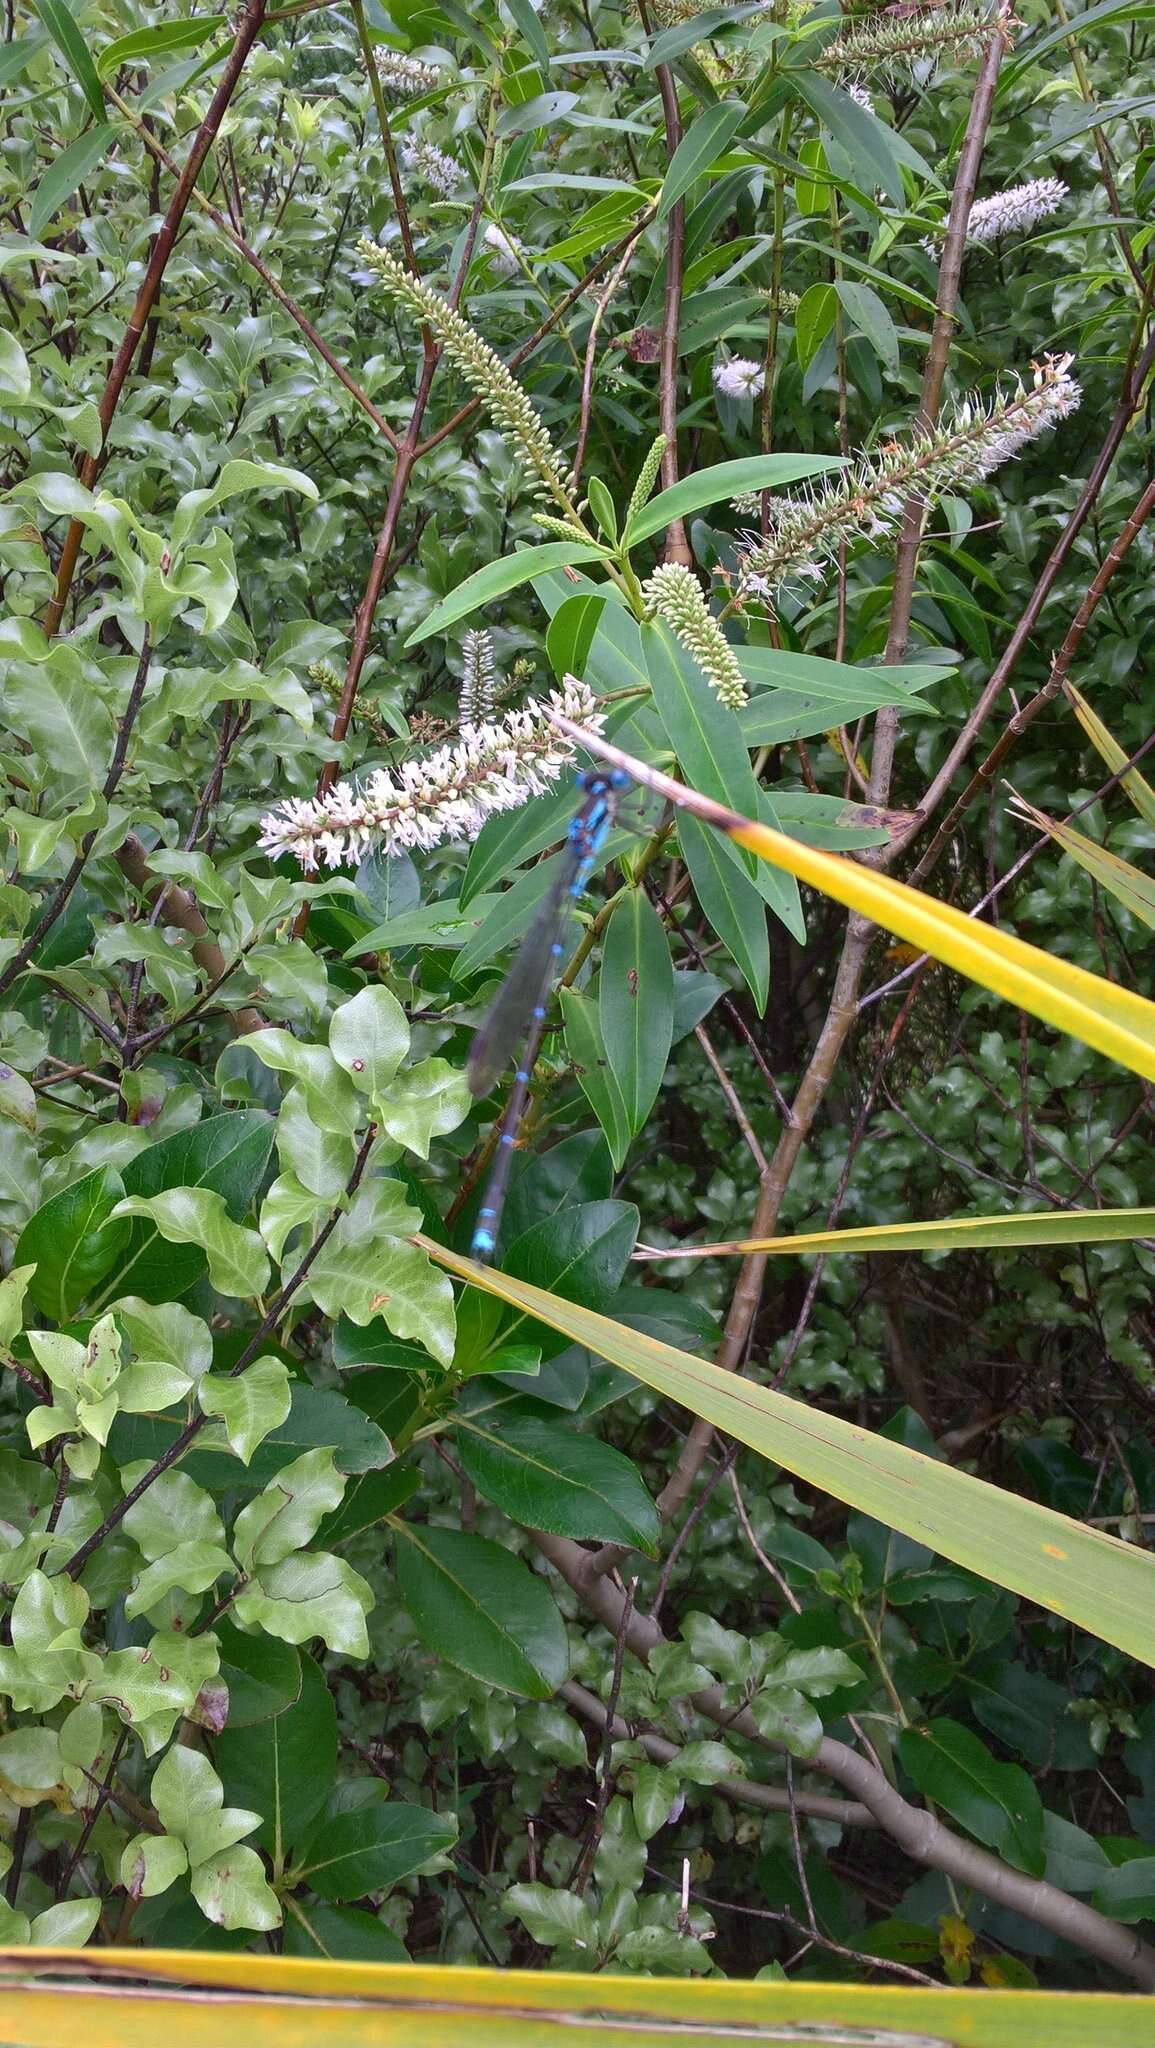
{"points": [[599, 781]]}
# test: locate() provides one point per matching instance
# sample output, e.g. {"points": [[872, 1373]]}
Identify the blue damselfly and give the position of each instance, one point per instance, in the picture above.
{"points": [[519, 1010]]}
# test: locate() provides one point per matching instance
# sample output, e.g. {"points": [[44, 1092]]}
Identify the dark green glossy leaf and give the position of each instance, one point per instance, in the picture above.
{"points": [[997, 1803], [283, 1769], [548, 1477], [340, 1934], [368, 1499], [481, 1609], [72, 1244], [580, 1254], [636, 1003], [372, 1847], [319, 1416], [576, 1169], [263, 1675]]}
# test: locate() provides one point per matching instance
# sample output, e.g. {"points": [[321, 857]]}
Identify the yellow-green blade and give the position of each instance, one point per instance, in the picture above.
{"points": [[949, 1234], [1092, 1580], [1137, 787], [285, 2001], [1120, 878]]}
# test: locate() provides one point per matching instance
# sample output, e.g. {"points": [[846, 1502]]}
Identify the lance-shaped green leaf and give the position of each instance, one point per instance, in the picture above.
{"points": [[996, 1802], [58, 19], [706, 139], [498, 579], [723, 480], [636, 1003]]}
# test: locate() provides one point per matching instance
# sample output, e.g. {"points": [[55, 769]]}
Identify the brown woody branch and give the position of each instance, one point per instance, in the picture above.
{"points": [[162, 248], [920, 1834]]}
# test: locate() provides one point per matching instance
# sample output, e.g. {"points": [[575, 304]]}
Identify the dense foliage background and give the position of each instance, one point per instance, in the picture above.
{"points": [[344, 1678]]}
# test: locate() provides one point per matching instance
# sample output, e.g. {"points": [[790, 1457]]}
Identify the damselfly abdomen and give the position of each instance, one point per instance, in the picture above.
{"points": [[519, 1009]]}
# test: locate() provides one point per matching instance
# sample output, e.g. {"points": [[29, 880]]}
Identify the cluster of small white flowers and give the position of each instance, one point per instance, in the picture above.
{"points": [[674, 594], [868, 500], [478, 679], [506, 254], [406, 76], [739, 378], [855, 90], [1004, 213], [440, 172], [494, 767]]}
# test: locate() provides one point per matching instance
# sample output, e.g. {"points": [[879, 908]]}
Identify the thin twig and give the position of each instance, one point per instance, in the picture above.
{"points": [[585, 1862]]}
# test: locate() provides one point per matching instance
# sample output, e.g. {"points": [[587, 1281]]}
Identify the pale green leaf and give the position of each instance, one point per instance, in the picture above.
{"points": [[232, 1890], [256, 1401], [287, 1515], [332, 1101], [309, 1594], [424, 1103], [67, 1925], [238, 475], [173, 1510], [236, 1257], [369, 1037], [288, 1206], [150, 1864]]}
